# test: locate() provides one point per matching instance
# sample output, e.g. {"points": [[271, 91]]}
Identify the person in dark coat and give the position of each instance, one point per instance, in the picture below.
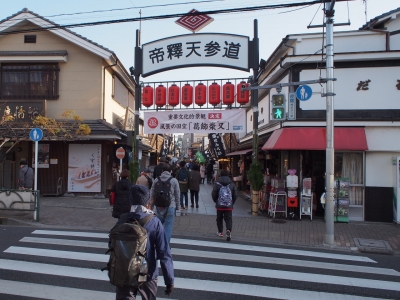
{"points": [[157, 249], [121, 190], [26, 176], [194, 183], [224, 212], [159, 168], [210, 171]]}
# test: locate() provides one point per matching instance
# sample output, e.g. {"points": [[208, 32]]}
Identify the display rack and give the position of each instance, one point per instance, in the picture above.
{"points": [[342, 201], [306, 199], [277, 198]]}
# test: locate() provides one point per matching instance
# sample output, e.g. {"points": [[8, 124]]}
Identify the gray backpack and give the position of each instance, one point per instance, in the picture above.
{"points": [[127, 265]]}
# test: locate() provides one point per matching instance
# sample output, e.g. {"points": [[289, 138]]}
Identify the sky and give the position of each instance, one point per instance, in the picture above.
{"points": [[273, 25]]}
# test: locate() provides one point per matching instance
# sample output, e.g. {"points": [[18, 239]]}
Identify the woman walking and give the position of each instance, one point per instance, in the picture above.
{"points": [[194, 183], [121, 190], [202, 172]]}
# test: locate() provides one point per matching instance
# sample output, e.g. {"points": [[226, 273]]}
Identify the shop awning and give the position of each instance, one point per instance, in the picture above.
{"points": [[239, 152], [314, 138]]}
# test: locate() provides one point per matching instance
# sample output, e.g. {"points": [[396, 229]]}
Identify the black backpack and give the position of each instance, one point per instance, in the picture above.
{"points": [[162, 193], [127, 265]]}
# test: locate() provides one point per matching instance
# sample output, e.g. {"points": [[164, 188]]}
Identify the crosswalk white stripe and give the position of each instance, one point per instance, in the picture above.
{"points": [[261, 291], [228, 256], [43, 291], [221, 269], [181, 283], [286, 275], [58, 254], [284, 261], [228, 246]]}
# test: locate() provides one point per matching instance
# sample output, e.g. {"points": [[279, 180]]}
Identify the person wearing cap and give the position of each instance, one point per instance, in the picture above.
{"points": [[26, 176], [159, 168], [121, 190], [145, 179], [157, 249]]}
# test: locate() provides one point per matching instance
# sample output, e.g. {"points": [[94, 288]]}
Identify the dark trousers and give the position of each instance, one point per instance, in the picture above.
{"points": [[194, 195], [209, 177], [224, 215], [147, 290]]}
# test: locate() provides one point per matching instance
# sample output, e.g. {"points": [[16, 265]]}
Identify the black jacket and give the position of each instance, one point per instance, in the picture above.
{"points": [[224, 180], [122, 204]]}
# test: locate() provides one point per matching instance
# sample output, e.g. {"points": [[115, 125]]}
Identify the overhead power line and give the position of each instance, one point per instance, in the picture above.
{"points": [[161, 17]]}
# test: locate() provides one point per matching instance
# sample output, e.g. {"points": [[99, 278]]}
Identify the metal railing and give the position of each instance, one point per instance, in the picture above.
{"points": [[20, 200]]}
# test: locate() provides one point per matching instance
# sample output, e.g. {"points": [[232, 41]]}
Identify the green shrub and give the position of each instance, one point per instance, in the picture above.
{"points": [[255, 176]]}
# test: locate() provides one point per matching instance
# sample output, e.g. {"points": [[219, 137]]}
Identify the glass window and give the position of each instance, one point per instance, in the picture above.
{"points": [[29, 81], [350, 165]]}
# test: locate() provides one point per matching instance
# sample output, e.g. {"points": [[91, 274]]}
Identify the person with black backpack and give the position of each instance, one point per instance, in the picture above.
{"points": [[224, 195], [164, 196], [137, 241], [121, 189]]}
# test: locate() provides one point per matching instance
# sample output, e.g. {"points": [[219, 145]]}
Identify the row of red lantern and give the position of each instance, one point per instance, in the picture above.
{"points": [[200, 94]]}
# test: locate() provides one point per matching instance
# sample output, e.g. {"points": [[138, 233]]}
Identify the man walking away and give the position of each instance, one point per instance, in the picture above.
{"points": [[210, 171], [194, 183], [157, 248], [145, 179], [121, 190], [158, 169], [224, 194], [25, 176], [166, 214], [183, 178]]}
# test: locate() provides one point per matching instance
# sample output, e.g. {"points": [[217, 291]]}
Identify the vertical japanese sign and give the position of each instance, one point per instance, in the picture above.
{"points": [[217, 49], [207, 154], [217, 144], [84, 168]]}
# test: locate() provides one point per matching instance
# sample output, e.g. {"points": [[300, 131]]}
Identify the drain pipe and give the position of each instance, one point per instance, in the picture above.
{"points": [[104, 87], [387, 33]]}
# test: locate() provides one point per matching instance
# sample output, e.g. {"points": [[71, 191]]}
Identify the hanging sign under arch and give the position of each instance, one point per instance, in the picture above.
{"points": [[194, 50]]}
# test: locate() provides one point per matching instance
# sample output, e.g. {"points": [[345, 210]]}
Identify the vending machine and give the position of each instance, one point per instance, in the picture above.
{"points": [[396, 194]]}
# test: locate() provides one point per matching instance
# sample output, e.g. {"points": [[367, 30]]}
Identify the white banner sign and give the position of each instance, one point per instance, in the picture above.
{"points": [[195, 121], [202, 49], [84, 168]]}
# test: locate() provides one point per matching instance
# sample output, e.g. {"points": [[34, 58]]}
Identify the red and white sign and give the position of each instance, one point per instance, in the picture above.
{"points": [[194, 20], [195, 121], [120, 153]]}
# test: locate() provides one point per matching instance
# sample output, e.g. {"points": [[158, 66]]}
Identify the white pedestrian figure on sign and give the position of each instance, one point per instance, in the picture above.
{"points": [[35, 135], [303, 92]]}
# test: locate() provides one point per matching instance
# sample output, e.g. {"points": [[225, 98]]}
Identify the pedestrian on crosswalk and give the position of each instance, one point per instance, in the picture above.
{"points": [[121, 190], [157, 248], [166, 214], [224, 206]]}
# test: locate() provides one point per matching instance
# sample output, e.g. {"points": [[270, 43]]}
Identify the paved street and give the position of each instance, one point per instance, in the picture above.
{"points": [[95, 214], [65, 264]]}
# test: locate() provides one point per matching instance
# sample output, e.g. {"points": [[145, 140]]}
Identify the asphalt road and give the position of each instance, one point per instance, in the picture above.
{"points": [[37, 263]]}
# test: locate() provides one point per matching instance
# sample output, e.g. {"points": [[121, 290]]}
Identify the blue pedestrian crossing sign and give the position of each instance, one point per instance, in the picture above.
{"points": [[36, 134], [303, 92]]}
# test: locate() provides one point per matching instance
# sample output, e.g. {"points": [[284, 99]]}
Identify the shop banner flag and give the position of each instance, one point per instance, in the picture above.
{"points": [[217, 144], [195, 121]]}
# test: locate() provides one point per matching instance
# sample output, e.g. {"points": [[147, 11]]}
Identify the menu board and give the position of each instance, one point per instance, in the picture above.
{"points": [[84, 168]]}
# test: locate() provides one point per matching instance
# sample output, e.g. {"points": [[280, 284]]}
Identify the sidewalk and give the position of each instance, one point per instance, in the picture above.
{"points": [[87, 213]]}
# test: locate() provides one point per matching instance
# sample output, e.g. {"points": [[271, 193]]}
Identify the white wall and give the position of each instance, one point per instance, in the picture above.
{"points": [[379, 169], [112, 109], [382, 92], [383, 138]]}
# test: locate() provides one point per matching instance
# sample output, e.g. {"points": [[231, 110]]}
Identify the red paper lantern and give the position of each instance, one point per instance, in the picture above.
{"points": [[228, 93], [147, 96], [187, 95], [214, 94], [173, 95], [161, 95], [242, 97], [200, 94]]}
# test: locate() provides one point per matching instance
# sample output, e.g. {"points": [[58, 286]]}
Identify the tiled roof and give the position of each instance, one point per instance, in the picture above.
{"points": [[366, 25], [25, 10], [101, 126], [34, 53]]}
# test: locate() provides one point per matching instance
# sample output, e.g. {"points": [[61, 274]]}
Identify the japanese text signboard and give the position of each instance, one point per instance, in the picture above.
{"points": [[203, 49], [217, 144], [195, 121]]}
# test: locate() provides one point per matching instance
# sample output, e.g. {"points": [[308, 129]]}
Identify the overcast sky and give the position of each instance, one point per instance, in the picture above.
{"points": [[273, 24]]}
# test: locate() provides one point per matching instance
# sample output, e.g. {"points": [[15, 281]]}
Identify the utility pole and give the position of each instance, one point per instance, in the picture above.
{"points": [[330, 151], [254, 93], [138, 99]]}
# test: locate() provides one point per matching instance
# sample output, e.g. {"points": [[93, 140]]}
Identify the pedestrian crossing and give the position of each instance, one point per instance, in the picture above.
{"points": [[51, 264]]}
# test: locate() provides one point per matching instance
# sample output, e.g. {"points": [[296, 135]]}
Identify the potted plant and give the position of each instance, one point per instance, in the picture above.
{"points": [[255, 176]]}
